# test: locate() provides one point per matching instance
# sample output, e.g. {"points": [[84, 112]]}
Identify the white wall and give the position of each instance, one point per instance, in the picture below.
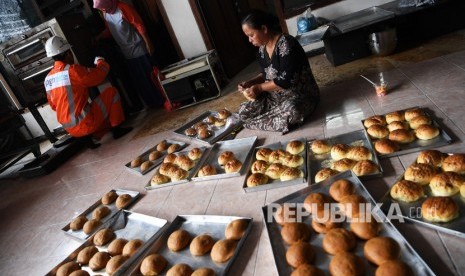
{"points": [[184, 26]]}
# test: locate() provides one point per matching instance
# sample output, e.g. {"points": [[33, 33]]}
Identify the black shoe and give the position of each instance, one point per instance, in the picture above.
{"points": [[119, 132]]}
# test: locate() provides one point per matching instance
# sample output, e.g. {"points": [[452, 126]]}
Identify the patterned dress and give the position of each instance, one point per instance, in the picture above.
{"points": [[281, 110]]}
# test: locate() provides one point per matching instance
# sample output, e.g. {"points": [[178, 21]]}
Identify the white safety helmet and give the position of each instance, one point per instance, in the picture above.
{"points": [[56, 45]]}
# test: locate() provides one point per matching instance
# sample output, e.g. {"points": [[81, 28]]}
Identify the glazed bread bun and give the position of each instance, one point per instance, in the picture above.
{"points": [[375, 120], [224, 157], [285, 213], [200, 125], [407, 191], [386, 146], [257, 179], [170, 158], [394, 116], [103, 236], [220, 123], [412, 113], [378, 131], [67, 268], [153, 264], [115, 263], [350, 205], [381, 249], [398, 125], [426, 132], [295, 232], [417, 121], [300, 253], [123, 200], [293, 161], [165, 168], [91, 225], [346, 264], [131, 247], [263, 154], [136, 162], [223, 114], [439, 209], [235, 230], [206, 170], [324, 174], [180, 270], [109, 197], [344, 164], [315, 202], [290, 174], [338, 239], [295, 147], [184, 162], [259, 166], [178, 240], [173, 148], [163, 145], [116, 246], [190, 131], [146, 166], [307, 270], [446, 184], [194, 154], [454, 163], [203, 271], [233, 166], [321, 146], [359, 153], [154, 155], [339, 151], [367, 228], [365, 167], [85, 254], [210, 119], [178, 174], [201, 245], [278, 156], [341, 188], [322, 222], [402, 136], [77, 223], [204, 133], [431, 157], [394, 267], [223, 250], [420, 173], [100, 212], [274, 170]]}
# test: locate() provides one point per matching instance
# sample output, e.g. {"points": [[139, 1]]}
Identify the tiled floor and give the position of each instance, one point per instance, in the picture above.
{"points": [[33, 211]]}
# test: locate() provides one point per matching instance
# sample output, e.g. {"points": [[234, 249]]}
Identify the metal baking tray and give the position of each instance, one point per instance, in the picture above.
{"points": [[362, 19], [276, 183], [441, 140], [127, 225], [204, 150], [156, 162], [79, 234], [195, 225], [408, 254], [317, 162], [242, 149], [412, 211], [218, 133]]}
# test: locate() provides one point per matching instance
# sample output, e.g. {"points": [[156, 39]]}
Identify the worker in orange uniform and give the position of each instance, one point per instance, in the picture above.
{"points": [[67, 86]]}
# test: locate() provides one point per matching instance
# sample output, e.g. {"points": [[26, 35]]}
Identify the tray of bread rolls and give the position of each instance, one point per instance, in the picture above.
{"points": [[103, 210], [405, 131], [152, 157], [177, 168], [113, 248], [277, 165], [210, 126], [349, 151], [225, 159], [334, 227], [431, 192], [207, 245]]}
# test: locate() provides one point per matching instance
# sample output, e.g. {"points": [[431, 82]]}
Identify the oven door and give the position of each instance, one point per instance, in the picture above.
{"points": [[33, 82], [28, 50]]}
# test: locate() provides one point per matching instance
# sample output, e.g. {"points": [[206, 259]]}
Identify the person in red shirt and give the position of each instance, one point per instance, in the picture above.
{"points": [[67, 86], [124, 24]]}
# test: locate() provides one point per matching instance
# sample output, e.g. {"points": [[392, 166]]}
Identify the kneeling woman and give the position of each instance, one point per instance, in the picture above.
{"points": [[285, 92]]}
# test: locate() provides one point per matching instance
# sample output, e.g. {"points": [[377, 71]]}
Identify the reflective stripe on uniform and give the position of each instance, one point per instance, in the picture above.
{"points": [[116, 98], [102, 107]]}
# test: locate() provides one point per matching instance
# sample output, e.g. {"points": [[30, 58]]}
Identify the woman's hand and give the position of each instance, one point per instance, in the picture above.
{"points": [[252, 93]]}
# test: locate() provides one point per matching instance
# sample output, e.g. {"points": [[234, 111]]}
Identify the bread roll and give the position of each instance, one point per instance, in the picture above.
{"points": [[316, 202], [462, 190], [178, 240], [146, 166], [257, 179], [109, 197], [233, 166], [417, 121], [158, 179], [204, 133], [365, 167], [321, 146], [77, 223], [67, 268], [210, 119], [115, 263], [412, 113], [235, 230], [407, 191], [173, 148], [446, 184], [339, 151], [207, 170], [99, 260], [394, 267], [170, 158], [394, 116], [342, 165], [365, 228], [420, 173], [165, 168], [259, 166], [163, 145], [86, 254], [285, 213], [341, 188], [398, 125], [116, 246], [274, 170], [346, 264], [201, 245], [401, 136], [431, 157], [378, 131], [386, 146], [295, 147], [153, 264], [223, 114], [200, 125], [136, 162], [190, 131], [454, 163], [154, 155], [295, 232], [223, 250], [131, 247], [103, 236], [381, 249], [338, 239], [91, 225], [180, 270], [300, 253], [177, 174], [376, 119], [426, 132], [359, 153], [293, 161], [323, 174], [350, 205], [123, 200], [263, 154], [307, 270], [79, 273], [225, 156], [184, 162], [203, 271], [322, 222], [290, 174], [100, 212], [278, 156], [195, 154], [220, 123]]}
